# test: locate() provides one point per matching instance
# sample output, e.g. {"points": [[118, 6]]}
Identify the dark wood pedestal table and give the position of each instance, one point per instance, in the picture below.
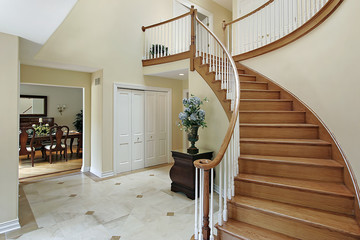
{"points": [[182, 172]]}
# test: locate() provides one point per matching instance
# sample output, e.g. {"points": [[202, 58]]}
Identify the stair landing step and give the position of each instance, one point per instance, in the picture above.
{"points": [[328, 188], [246, 231], [318, 218], [294, 160]]}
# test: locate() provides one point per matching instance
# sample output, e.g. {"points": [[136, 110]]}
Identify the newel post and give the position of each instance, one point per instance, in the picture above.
{"points": [[205, 228], [193, 12]]}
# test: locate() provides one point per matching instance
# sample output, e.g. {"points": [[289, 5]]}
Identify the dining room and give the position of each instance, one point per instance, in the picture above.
{"points": [[50, 131]]}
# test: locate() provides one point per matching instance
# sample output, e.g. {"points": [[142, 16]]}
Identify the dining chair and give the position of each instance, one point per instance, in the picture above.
{"points": [[58, 137], [25, 134]]}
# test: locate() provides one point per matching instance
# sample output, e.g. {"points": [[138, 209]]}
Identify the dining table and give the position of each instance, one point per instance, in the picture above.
{"points": [[39, 139]]}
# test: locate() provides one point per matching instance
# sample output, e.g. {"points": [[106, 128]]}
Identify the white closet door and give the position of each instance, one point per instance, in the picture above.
{"points": [[138, 129], [123, 124], [150, 126], [161, 128]]}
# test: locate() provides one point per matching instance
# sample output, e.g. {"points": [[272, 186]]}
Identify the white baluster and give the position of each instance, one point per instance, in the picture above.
{"points": [[196, 233], [212, 205], [229, 174], [220, 222], [201, 203], [225, 189]]}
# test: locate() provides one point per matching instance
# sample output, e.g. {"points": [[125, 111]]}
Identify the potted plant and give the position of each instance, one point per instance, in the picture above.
{"points": [[78, 123], [192, 119], [158, 49]]}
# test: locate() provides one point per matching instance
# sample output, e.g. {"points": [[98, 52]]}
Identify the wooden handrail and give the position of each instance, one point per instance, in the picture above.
{"points": [[205, 163], [249, 14], [143, 28]]}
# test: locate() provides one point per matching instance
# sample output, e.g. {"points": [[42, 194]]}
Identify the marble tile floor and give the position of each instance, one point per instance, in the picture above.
{"points": [[130, 207]]}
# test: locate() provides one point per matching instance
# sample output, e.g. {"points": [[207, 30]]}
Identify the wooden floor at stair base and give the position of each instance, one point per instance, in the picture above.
{"points": [[235, 230], [293, 221], [297, 195], [286, 167]]}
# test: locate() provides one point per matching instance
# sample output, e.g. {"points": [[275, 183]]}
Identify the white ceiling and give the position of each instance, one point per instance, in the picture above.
{"points": [[175, 74], [225, 3], [34, 20]]}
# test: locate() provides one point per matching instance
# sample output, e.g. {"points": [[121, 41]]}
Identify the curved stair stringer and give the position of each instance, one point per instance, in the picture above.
{"points": [[324, 134], [215, 85]]}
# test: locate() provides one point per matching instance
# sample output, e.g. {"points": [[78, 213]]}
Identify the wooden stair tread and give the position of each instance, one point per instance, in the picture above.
{"points": [[253, 82], [329, 188], [246, 75], [265, 100], [268, 111], [287, 141], [257, 90], [294, 160], [318, 218], [246, 231], [295, 125]]}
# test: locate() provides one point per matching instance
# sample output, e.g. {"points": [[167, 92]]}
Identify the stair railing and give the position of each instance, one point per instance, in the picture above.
{"points": [[167, 38], [220, 62], [268, 23]]}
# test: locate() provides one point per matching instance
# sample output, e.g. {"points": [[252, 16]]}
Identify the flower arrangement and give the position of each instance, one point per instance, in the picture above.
{"points": [[41, 130], [192, 115]]}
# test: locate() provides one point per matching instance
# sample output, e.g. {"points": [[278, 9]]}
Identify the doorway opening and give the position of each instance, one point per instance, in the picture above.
{"points": [[63, 106]]}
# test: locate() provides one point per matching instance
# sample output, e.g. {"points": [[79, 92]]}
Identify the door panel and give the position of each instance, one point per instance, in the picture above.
{"points": [[123, 118], [161, 128], [137, 122], [150, 123]]}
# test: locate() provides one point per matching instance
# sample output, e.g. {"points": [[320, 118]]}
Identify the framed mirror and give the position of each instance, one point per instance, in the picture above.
{"points": [[33, 106]]}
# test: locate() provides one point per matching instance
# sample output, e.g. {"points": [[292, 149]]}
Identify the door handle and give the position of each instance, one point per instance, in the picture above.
{"points": [[138, 139]]}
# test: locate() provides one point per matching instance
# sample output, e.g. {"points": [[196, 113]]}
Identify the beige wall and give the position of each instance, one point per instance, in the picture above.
{"points": [[113, 41], [96, 122], [71, 97], [57, 77], [9, 94], [322, 70]]}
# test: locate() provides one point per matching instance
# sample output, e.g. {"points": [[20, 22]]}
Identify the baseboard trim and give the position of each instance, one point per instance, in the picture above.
{"points": [[107, 174], [102, 174], [85, 169], [9, 226]]}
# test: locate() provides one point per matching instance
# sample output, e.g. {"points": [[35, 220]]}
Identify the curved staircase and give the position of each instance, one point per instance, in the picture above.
{"points": [[290, 186]]}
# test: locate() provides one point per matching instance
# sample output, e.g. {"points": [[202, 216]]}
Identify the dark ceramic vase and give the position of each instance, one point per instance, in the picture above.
{"points": [[193, 137]]}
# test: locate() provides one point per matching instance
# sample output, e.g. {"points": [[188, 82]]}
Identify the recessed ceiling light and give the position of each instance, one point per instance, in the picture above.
{"points": [[181, 74]]}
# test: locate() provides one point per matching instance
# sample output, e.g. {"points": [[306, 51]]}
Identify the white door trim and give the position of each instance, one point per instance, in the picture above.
{"points": [[86, 115], [144, 88]]}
